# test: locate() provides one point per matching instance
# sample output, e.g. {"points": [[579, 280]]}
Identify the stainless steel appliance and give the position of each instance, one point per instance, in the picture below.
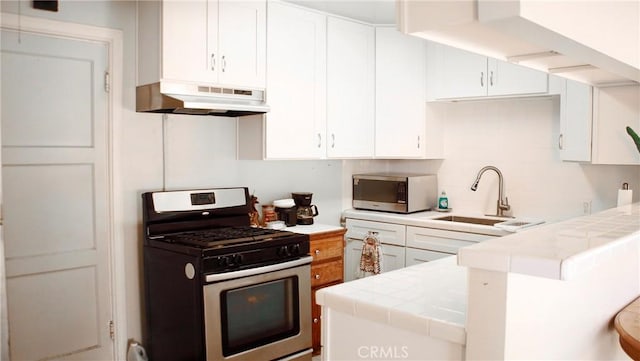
{"points": [[218, 289], [395, 192]]}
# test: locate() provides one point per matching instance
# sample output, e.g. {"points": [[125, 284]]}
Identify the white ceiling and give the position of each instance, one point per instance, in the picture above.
{"points": [[369, 11]]}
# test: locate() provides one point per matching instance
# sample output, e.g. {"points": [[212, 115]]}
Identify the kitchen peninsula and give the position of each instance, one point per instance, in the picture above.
{"points": [[549, 292]]}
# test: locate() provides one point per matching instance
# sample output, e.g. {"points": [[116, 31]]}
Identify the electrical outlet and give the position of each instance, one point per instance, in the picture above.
{"points": [[586, 208]]}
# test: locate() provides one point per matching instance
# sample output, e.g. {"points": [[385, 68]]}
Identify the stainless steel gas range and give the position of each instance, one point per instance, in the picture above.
{"points": [[218, 289]]}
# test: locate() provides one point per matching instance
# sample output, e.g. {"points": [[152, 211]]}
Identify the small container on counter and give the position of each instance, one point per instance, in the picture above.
{"points": [[268, 214]]}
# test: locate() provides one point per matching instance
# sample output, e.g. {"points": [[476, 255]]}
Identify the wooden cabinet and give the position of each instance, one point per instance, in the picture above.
{"points": [[223, 44], [456, 73], [400, 94], [327, 249], [350, 89]]}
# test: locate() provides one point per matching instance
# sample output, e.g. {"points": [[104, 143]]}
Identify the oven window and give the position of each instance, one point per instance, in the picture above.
{"points": [[259, 314]]}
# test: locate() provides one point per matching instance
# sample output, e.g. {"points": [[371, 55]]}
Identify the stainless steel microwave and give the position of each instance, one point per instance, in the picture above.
{"points": [[395, 192]]}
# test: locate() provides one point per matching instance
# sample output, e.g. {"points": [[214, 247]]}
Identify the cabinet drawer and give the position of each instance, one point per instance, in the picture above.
{"points": [[328, 272], [388, 233], [416, 256], [327, 248], [441, 240]]}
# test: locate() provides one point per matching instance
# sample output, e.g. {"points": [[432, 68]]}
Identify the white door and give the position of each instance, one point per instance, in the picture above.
{"points": [[56, 197], [460, 73], [512, 79]]}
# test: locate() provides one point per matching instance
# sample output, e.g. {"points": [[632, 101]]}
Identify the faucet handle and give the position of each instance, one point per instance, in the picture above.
{"points": [[505, 205]]}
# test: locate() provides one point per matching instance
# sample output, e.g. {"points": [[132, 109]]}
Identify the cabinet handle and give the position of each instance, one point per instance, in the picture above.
{"points": [[317, 251], [491, 78], [418, 142], [316, 277], [224, 63], [315, 320], [561, 142], [319, 140], [481, 78], [333, 140], [213, 62]]}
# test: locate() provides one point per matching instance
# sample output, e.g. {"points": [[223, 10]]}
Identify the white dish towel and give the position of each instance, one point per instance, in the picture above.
{"points": [[371, 256]]}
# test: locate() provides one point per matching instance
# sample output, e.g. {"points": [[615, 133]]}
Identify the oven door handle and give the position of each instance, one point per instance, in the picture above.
{"points": [[258, 270]]}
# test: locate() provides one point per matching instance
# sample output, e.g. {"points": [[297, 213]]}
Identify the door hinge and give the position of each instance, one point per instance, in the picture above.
{"points": [[107, 81], [112, 330]]}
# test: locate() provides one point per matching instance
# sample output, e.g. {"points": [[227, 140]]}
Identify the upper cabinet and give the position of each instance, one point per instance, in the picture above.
{"points": [[456, 74], [203, 41], [400, 93], [295, 127], [350, 89], [593, 123]]}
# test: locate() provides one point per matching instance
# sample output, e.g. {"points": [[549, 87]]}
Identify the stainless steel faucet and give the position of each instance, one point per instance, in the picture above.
{"points": [[501, 206]]}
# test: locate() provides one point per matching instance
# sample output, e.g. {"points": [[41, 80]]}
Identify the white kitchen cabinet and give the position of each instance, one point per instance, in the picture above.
{"points": [[593, 123], [574, 141], [400, 64], [615, 108], [295, 126], [388, 233], [202, 41], [415, 256], [439, 240], [462, 74], [393, 257], [350, 89]]}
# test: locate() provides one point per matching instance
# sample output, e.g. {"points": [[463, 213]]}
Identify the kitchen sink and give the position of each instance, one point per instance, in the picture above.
{"points": [[472, 220]]}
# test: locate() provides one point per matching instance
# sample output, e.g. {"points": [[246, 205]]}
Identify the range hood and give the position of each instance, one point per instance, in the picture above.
{"points": [[596, 42], [187, 98]]}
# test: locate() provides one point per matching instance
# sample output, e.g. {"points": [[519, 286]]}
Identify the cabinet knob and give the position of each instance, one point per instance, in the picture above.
{"points": [[315, 320], [317, 251], [316, 277]]}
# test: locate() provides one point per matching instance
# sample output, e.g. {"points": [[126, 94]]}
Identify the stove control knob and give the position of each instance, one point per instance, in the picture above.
{"points": [[223, 261], [237, 259], [295, 249]]}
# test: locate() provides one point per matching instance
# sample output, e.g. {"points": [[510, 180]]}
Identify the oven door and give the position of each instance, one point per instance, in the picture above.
{"points": [[262, 313]]}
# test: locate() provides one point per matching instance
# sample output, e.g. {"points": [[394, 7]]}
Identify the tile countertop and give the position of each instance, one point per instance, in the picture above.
{"points": [[312, 228], [426, 219], [561, 250], [428, 298]]}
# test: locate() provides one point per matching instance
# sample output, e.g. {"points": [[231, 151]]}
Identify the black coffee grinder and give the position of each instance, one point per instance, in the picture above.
{"points": [[305, 210]]}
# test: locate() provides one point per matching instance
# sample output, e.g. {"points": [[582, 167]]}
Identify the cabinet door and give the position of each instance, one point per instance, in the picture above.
{"points": [[511, 79], [296, 67], [350, 87], [440, 240], [574, 141], [400, 95], [241, 43], [392, 258], [460, 73], [615, 108], [416, 256], [388, 233], [185, 53]]}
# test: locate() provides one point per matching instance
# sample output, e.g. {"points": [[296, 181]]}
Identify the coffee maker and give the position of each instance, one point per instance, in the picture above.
{"points": [[305, 210]]}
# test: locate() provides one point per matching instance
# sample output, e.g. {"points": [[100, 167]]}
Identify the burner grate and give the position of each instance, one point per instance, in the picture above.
{"points": [[225, 236]]}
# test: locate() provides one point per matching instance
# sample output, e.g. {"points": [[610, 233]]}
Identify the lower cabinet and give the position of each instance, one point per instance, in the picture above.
{"points": [[403, 245], [327, 269]]}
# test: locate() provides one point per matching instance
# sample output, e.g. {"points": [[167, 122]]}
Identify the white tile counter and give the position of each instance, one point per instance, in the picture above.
{"points": [[426, 219], [558, 251], [428, 299], [312, 228]]}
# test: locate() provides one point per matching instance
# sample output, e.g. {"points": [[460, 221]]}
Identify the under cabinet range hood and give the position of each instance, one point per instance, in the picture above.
{"points": [[596, 42], [187, 98]]}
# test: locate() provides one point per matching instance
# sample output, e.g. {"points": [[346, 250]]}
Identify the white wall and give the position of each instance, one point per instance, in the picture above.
{"points": [[519, 136]]}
